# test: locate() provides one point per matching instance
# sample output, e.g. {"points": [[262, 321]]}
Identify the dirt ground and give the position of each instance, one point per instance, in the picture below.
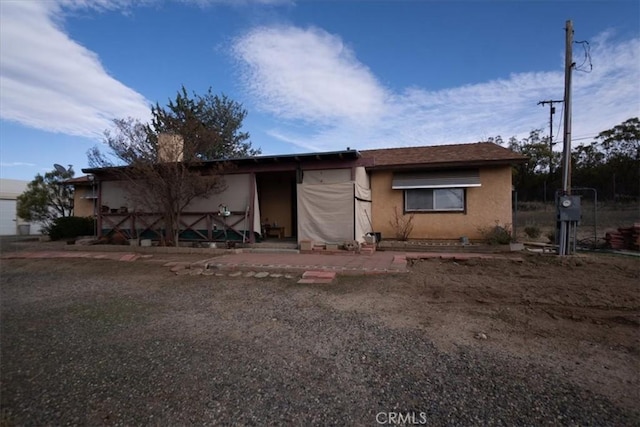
{"points": [[576, 318], [579, 316]]}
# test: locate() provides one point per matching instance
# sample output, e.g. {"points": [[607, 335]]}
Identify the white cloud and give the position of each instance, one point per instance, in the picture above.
{"points": [[310, 75], [128, 4], [237, 2], [50, 82]]}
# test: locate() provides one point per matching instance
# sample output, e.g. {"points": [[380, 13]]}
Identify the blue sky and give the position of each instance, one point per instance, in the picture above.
{"points": [[313, 75]]}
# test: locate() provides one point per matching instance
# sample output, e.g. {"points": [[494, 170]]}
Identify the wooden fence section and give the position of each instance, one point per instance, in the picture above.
{"points": [[194, 226]]}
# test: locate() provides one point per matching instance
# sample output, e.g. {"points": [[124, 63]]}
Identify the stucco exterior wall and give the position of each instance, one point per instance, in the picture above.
{"points": [[485, 206]]}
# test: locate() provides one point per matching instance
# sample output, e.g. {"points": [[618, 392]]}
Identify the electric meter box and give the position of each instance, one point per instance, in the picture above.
{"points": [[569, 208]]}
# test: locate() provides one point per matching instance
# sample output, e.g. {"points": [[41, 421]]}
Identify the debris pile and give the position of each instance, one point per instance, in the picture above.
{"points": [[624, 238]]}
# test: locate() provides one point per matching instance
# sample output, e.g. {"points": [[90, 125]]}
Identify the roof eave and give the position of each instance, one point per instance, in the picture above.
{"points": [[449, 164], [344, 155]]}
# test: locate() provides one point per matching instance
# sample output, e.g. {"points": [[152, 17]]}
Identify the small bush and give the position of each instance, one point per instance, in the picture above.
{"points": [[71, 226], [497, 235], [402, 224], [532, 231]]}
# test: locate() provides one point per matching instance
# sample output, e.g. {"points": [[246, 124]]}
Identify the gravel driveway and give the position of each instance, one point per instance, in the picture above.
{"points": [[101, 342]]}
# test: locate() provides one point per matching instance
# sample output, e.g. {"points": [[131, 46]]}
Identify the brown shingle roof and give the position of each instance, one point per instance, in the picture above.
{"points": [[477, 154], [78, 180]]}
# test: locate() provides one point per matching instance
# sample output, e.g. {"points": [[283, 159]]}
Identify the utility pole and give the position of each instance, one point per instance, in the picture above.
{"points": [[566, 147], [552, 111], [568, 207]]}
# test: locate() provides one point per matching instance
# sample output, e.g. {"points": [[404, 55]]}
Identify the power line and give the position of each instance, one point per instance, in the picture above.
{"points": [[587, 57], [560, 123]]}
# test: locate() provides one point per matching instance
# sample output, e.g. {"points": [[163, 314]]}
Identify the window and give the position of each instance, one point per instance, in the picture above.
{"points": [[436, 191], [440, 199]]}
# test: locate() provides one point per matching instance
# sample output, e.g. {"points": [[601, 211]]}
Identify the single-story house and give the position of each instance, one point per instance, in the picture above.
{"points": [[84, 195], [449, 191]]}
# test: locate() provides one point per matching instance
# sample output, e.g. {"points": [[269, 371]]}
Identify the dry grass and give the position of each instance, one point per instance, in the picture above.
{"points": [[594, 221]]}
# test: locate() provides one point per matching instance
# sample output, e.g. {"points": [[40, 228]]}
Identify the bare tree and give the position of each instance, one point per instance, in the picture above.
{"points": [[163, 162], [157, 175]]}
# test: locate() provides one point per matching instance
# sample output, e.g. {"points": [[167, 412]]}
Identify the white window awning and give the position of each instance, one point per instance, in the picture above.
{"points": [[443, 179]]}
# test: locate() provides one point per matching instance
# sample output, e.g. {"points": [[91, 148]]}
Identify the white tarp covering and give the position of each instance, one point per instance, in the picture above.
{"points": [[236, 197], [325, 212], [363, 219], [363, 212], [332, 207], [327, 176]]}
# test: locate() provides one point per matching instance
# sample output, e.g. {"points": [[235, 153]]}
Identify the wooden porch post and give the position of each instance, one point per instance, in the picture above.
{"points": [[252, 199], [133, 225], [98, 210]]}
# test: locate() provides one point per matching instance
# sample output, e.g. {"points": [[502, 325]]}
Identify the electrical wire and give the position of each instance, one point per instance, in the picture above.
{"points": [[582, 138], [559, 123], [587, 57]]}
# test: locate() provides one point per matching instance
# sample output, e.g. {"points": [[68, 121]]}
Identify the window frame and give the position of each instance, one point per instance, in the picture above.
{"points": [[463, 210]]}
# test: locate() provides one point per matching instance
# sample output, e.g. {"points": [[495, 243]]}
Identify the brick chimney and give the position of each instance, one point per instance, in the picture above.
{"points": [[170, 148]]}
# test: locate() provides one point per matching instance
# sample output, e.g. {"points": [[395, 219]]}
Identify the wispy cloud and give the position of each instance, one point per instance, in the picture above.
{"points": [[311, 75], [125, 5], [50, 82], [15, 164]]}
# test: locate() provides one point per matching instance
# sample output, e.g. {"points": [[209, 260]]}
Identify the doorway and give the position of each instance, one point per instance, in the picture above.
{"points": [[278, 204]]}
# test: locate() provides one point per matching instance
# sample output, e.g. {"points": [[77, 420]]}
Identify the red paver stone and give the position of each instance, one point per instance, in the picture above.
{"points": [[314, 280], [399, 259], [319, 274]]}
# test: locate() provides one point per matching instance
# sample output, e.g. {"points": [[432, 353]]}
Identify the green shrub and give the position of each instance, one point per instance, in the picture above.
{"points": [[532, 231], [71, 226], [497, 235]]}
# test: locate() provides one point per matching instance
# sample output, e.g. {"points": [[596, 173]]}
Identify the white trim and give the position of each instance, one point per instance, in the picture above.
{"points": [[415, 187]]}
